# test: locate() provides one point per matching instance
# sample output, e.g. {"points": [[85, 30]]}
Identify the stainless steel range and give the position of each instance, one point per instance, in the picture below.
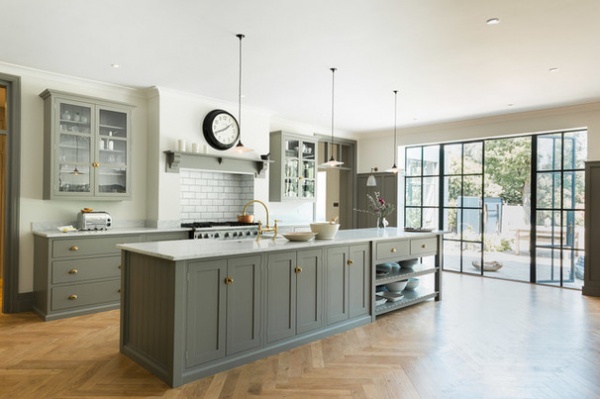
{"points": [[221, 230]]}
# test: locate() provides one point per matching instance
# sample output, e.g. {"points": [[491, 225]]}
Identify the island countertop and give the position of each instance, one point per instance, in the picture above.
{"points": [[198, 249]]}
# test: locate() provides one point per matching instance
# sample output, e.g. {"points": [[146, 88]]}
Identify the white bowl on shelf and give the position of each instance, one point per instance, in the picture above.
{"points": [[325, 230], [396, 286], [413, 283]]}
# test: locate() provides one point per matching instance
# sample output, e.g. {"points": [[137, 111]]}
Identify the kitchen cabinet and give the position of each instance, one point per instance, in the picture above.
{"points": [[347, 282], [408, 249], [387, 186], [76, 275], [86, 147], [293, 293], [293, 176], [591, 273], [222, 308]]}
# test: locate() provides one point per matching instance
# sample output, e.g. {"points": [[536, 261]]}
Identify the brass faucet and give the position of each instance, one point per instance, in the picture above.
{"points": [[267, 227]]}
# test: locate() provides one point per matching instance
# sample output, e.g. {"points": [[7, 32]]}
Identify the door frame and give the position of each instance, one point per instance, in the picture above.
{"points": [[12, 302]]}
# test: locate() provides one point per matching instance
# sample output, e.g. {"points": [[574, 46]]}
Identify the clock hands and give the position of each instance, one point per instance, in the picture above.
{"points": [[223, 129]]}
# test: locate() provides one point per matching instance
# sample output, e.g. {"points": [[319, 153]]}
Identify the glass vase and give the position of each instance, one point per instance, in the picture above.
{"points": [[381, 222]]}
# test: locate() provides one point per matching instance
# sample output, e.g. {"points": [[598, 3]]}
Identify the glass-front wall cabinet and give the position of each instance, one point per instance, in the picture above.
{"points": [[295, 172], [87, 147]]}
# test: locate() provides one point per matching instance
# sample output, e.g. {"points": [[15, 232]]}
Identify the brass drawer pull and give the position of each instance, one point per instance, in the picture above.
{"points": [[350, 262], [298, 269], [73, 271], [228, 280], [96, 164], [74, 248], [72, 297], [393, 250]]}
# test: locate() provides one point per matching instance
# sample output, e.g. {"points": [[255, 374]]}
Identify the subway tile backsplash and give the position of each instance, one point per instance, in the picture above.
{"points": [[213, 196]]}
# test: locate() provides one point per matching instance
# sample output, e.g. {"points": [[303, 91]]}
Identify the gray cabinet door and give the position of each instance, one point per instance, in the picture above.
{"points": [[243, 304], [358, 280], [281, 296], [309, 280], [337, 287], [206, 299]]}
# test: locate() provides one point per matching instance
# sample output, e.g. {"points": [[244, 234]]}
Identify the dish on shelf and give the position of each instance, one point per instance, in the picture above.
{"points": [[392, 296], [418, 230], [300, 236], [381, 273], [408, 264], [388, 267], [396, 286], [413, 283], [379, 300]]}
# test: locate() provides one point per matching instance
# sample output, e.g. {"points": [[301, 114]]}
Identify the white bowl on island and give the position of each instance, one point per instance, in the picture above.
{"points": [[324, 230]]}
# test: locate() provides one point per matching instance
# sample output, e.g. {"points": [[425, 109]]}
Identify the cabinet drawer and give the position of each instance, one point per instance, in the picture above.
{"points": [[75, 270], [78, 295], [423, 246], [89, 246], [391, 249]]}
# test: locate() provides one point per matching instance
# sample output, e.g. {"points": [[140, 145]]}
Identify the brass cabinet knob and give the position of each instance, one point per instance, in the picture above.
{"points": [[73, 271], [72, 297], [228, 280], [74, 248], [96, 164], [298, 269], [349, 262], [393, 250]]}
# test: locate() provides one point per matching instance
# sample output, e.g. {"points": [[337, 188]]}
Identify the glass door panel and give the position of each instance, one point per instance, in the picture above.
{"points": [[112, 179]]}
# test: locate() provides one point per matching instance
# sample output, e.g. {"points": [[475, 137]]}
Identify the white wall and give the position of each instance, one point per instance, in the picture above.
{"points": [[376, 149]]}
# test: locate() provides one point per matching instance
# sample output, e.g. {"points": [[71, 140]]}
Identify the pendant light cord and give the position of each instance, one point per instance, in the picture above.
{"points": [[240, 36], [395, 119], [332, 106]]}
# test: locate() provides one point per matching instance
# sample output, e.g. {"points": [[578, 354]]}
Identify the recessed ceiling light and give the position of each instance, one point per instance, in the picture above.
{"points": [[493, 21], [553, 69], [115, 66]]}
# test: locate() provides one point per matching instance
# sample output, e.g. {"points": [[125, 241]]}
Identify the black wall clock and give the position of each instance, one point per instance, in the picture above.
{"points": [[221, 129]]}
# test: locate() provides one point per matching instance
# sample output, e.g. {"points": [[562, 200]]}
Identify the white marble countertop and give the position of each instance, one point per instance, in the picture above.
{"points": [[198, 249], [110, 232]]}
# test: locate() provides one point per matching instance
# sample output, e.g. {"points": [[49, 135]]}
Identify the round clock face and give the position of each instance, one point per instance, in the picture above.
{"points": [[221, 129]]}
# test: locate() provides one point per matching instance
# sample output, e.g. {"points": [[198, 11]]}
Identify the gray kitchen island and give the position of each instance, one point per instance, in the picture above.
{"points": [[192, 308]]}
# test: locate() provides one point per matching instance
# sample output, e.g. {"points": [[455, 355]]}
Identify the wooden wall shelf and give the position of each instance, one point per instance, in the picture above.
{"points": [[215, 162]]}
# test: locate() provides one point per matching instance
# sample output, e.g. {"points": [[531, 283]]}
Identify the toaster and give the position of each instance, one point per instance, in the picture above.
{"points": [[94, 220]]}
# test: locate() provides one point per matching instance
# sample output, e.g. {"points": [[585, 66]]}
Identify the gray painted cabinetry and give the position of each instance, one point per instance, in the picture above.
{"points": [[294, 293], [348, 290], [87, 147], [76, 275], [591, 274], [223, 308]]}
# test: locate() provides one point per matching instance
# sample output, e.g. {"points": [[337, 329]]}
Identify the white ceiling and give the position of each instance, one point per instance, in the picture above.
{"points": [[446, 62]]}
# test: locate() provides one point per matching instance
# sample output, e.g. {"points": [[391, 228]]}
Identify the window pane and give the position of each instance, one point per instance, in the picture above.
{"points": [[413, 161], [430, 218], [413, 191], [450, 223], [574, 225], [453, 159], [430, 191], [472, 187], [575, 150], [431, 160], [549, 152], [452, 190], [413, 217], [469, 223], [473, 158], [548, 190], [574, 190]]}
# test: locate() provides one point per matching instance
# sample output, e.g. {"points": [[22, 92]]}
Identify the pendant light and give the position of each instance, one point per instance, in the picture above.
{"points": [[332, 162], [240, 147], [371, 181], [394, 168]]}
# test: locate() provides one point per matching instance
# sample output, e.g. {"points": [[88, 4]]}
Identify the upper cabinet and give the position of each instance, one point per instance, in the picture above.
{"points": [[87, 147], [293, 175]]}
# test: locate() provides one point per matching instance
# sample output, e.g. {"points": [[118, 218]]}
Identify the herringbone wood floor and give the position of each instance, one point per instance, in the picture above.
{"points": [[487, 339]]}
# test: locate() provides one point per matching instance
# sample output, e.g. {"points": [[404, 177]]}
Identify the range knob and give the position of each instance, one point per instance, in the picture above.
{"points": [[217, 235], [234, 234], [206, 235], [226, 235]]}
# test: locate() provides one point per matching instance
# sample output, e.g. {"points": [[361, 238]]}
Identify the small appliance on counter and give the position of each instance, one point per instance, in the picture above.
{"points": [[89, 219]]}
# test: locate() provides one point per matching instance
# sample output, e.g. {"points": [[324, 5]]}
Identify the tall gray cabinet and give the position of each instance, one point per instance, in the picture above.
{"points": [[591, 275], [387, 186]]}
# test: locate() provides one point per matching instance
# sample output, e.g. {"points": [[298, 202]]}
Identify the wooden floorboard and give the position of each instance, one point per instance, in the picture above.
{"points": [[487, 339]]}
